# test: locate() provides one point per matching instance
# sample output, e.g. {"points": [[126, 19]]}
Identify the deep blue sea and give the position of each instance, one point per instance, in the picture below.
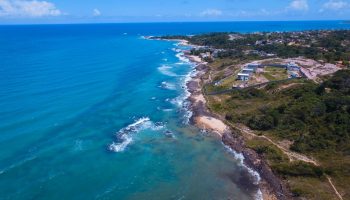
{"points": [[97, 112]]}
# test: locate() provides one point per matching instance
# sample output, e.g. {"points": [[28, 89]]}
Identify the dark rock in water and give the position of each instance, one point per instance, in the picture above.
{"points": [[243, 180], [169, 133], [254, 161], [158, 124]]}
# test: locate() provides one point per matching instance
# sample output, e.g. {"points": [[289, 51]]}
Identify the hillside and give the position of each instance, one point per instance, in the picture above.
{"points": [[303, 117], [299, 126]]}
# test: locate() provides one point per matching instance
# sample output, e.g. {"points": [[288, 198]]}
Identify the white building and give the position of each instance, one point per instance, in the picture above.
{"points": [[243, 76]]}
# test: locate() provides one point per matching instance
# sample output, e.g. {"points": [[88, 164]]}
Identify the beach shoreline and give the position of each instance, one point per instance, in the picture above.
{"points": [[270, 186]]}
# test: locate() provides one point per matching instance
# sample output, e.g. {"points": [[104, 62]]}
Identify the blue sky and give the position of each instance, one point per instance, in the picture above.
{"points": [[95, 11]]}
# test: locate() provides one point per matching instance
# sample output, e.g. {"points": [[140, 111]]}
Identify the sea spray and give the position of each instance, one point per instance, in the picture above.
{"points": [[166, 70], [237, 156], [124, 135], [167, 85], [253, 173], [182, 100]]}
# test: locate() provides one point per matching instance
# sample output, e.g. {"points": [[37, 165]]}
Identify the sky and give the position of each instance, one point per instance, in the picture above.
{"points": [[119, 11]]}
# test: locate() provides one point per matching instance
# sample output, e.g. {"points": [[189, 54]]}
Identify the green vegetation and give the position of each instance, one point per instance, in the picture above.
{"points": [[273, 155], [300, 113], [275, 73], [315, 118], [308, 118], [329, 46]]}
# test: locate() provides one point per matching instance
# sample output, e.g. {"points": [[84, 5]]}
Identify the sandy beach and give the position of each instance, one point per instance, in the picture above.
{"points": [[204, 119], [212, 124]]}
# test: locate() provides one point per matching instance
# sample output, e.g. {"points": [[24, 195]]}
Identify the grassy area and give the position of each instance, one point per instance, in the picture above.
{"points": [[315, 118], [270, 152], [219, 64], [303, 179], [311, 188], [275, 73]]}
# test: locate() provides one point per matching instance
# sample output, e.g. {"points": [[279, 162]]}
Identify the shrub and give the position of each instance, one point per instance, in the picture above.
{"points": [[261, 122], [298, 169]]}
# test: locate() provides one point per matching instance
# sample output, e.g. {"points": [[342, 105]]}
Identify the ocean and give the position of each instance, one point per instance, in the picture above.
{"points": [[96, 111]]}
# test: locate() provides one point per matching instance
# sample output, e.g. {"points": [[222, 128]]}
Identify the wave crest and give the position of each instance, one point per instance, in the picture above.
{"points": [[124, 135], [166, 70], [255, 174]]}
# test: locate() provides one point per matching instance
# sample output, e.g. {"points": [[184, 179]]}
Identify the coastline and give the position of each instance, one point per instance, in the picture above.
{"points": [[270, 186]]}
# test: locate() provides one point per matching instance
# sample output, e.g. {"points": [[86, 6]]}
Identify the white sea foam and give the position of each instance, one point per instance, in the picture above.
{"points": [[259, 195], [166, 70], [78, 145], [119, 147], [125, 134], [177, 50], [255, 174], [19, 163], [240, 157], [182, 100], [168, 86], [182, 58], [181, 63]]}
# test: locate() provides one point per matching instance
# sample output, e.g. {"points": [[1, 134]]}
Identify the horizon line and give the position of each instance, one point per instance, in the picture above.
{"points": [[169, 22]]}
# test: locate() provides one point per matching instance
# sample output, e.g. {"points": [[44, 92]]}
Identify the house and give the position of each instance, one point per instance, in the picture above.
{"points": [[293, 67], [252, 66], [293, 74], [243, 76], [247, 71], [205, 55]]}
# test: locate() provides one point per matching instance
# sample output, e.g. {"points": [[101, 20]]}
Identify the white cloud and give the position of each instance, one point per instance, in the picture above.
{"points": [[24, 8], [300, 5], [334, 5], [96, 12], [211, 12]]}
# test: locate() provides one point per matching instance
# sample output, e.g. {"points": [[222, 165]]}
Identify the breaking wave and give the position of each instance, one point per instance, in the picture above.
{"points": [[124, 135], [168, 86], [165, 69], [256, 175], [182, 100], [182, 58]]}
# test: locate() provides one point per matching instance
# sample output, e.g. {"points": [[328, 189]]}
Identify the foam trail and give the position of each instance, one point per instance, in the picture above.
{"points": [[125, 134], [22, 162], [182, 101], [115, 147], [165, 69], [182, 58], [256, 175], [168, 86]]}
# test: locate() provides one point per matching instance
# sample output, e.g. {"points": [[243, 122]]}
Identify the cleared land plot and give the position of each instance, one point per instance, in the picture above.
{"points": [[275, 73]]}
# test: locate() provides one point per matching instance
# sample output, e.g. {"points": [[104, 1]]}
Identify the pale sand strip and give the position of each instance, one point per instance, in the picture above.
{"points": [[195, 59], [212, 124]]}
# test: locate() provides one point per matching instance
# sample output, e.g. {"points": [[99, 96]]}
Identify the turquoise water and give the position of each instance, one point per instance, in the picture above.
{"points": [[98, 112]]}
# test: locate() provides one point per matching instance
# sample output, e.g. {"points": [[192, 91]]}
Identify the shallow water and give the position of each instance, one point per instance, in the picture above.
{"points": [[68, 92]]}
